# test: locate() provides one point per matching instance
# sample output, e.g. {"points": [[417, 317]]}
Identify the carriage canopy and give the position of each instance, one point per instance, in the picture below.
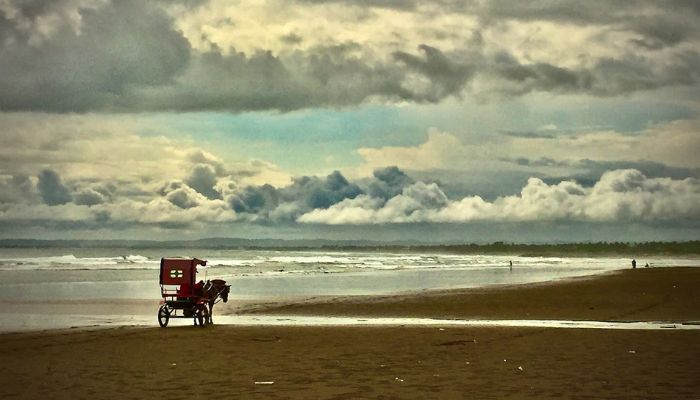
{"points": [[179, 271]]}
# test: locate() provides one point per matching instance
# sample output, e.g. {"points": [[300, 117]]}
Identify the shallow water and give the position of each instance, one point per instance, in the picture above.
{"points": [[38, 322]]}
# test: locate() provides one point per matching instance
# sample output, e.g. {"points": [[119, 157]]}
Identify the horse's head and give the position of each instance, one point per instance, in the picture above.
{"points": [[222, 289], [225, 292]]}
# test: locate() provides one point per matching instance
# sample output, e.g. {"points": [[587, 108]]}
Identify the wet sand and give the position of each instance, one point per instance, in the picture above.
{"points": [[653, 294], [396, 362]]}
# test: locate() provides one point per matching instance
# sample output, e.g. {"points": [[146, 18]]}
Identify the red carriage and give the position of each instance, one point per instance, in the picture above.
{"points": [[183, 297]]}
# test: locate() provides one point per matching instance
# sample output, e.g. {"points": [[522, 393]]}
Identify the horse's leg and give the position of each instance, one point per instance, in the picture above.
{"points": [[211, 307]]}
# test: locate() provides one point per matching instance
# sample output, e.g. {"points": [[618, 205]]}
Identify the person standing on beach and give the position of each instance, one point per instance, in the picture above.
{"points": [[511, 266], [634, 263]]}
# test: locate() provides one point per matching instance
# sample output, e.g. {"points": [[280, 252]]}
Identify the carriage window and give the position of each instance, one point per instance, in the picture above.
{"points": [[176, 273]]}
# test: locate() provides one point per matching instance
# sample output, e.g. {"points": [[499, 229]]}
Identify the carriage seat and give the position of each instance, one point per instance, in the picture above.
{"points": [[187, 290]]}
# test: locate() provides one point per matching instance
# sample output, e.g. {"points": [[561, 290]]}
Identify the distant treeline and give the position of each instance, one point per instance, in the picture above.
{"points": [[570, 249], [532, 250]]}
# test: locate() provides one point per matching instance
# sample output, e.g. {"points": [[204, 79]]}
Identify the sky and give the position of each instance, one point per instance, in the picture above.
{"points": [[445, 121]]}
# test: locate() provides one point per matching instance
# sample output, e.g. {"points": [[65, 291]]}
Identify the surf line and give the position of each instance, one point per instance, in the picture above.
{"points": [[293, 320]]}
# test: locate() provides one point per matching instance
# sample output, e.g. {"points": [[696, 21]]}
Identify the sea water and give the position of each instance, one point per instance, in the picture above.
{"points": [[84, 274], [41, 277]]}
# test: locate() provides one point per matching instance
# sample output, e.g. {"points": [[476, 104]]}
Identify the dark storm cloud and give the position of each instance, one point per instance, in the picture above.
{"points": [[389, 182], [118, 46], [17, 189], [292, 38], [169, 187], [183, 197], [541, 162], [261, 81], [660, 32], [203, 179], [199, 157], [539, 76], [528, 134], [323, 193], [659, 23], [255, 200], [313, 192], [52, 190], [324, 76], [403, 5], [306, 194], [88, 197], [608, 77], [589, 172], [303, 195], [128, 55], [489, 185], [448, 77]]}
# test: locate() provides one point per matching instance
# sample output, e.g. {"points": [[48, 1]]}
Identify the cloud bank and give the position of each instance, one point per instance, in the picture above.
{"points": [[167, 183], [389, 197], [623, 195], [126, 56]]}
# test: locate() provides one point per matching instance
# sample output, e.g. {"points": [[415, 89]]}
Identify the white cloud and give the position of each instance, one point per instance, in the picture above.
{"points": [[283, 26], [629, 195], [159, 212], [673, 144], [259, 172], [111, 149], [623, 195], [440, 150], [88, 147], [361, 210]]}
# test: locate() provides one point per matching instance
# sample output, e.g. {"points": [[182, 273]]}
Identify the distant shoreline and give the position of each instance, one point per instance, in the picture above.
{"points": [[582, 249]]}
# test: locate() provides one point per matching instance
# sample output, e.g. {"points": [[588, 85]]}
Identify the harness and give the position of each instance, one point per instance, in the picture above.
{"points": [[217, 296]]}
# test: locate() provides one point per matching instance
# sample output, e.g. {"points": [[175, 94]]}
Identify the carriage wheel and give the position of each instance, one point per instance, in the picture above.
{"points": [[163, 316]]}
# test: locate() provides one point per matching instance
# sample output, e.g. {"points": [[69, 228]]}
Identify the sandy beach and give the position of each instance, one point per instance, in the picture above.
{"points": [[390, 362]]}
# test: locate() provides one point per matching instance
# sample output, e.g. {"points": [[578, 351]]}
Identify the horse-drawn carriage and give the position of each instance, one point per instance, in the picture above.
{"points": [[182, 297]]}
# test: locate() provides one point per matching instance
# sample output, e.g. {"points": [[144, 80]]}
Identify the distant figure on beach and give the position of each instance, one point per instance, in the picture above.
{"points": [[511, 266], [634, 263], [646, 265]]}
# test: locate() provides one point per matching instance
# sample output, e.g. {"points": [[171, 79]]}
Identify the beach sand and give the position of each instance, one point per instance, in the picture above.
{"points": [[392, 362], [653, 294]]}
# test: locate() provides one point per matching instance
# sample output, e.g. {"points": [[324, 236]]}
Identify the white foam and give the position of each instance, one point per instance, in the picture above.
{"points": [[285, 320], [71, 262], [34, 322]]}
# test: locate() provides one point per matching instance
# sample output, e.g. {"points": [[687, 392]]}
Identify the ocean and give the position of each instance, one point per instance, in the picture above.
{"points": [[42, 277], [83, 274]]}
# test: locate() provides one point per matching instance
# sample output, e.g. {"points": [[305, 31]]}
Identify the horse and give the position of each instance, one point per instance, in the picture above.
{"points": [[213, 290]]}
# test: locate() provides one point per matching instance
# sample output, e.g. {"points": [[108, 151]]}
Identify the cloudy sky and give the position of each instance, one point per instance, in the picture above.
{"points": [[443, 120]]}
